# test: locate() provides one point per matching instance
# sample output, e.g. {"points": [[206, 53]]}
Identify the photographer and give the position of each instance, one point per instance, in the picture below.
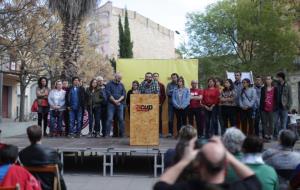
{"points": [[210, 162]]}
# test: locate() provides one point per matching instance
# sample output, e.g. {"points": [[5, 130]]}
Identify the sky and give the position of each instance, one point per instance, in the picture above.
{"points": [[168, 13]]}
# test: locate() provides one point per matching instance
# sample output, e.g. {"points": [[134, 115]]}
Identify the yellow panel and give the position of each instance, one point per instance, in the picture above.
{"points": [[135, 69]]}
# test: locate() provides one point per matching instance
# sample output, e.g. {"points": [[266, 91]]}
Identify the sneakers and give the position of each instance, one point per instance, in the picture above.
{"points": [[169, 135]]}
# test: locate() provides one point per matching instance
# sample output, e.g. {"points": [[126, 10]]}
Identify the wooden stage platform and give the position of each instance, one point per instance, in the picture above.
{"points": [[108, 148]]}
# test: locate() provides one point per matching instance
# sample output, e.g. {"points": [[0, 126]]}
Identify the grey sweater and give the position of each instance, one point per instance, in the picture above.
{"points": [[247, 98]]}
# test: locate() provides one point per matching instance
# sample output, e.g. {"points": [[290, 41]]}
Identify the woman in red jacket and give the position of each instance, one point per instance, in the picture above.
{"points": [[210, 101]]}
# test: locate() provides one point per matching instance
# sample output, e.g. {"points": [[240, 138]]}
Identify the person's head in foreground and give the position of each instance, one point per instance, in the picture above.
{"points": [[8, 154], [287, 138], [34, 134], [253, 145], [233, 139], [187, 132], [210, 162]]}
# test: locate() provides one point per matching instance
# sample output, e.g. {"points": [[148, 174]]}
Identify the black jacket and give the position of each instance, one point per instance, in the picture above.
{"points": [[81, 96], [39, 155], [276, 98]]}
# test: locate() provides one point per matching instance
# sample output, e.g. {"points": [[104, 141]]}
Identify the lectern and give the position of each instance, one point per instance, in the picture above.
{"points": [[144, 119]]}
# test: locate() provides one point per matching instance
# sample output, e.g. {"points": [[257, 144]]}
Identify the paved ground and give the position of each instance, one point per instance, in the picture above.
{"points": [[92, 181], [10, 128]]}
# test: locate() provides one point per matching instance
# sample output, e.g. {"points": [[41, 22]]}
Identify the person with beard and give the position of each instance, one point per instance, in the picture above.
{"points": [[149, 86]]}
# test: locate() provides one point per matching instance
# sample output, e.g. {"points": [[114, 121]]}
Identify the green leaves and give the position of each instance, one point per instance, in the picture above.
{"points": [[259, 33]]}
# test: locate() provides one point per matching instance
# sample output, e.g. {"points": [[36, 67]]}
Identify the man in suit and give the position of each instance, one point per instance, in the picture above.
{"points": [[38, 155]]}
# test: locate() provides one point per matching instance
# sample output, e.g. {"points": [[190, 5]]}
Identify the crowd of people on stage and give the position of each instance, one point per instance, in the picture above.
{"points": [[200, 159], [220, 105]]}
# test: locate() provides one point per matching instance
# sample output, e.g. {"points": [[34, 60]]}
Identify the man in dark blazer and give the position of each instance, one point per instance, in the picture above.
{"points": [[38, 155]]}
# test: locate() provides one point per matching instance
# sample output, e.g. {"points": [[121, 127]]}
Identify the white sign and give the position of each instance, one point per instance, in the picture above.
{"points": [[245, 75]]}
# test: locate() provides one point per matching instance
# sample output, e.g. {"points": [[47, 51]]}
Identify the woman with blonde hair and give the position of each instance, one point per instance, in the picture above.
{"points": [[56, 101]]}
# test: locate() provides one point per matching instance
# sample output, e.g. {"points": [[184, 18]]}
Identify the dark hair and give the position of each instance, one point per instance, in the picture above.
{"points": [[40, 82], [258, 76], [34, 133], [136, 82], [74, 78], [211, 168], [243, 89], [155, 74], [253, 144], [281, 75], [287, 138], [213, 79], [220, 80], [231, 87], [149, 73], [265, 79], [180, 78], [175, 74], [91, 84], [238, 72], [8, 154]]}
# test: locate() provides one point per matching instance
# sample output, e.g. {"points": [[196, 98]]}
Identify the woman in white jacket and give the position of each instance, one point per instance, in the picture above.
{"points": [[56, 101]]}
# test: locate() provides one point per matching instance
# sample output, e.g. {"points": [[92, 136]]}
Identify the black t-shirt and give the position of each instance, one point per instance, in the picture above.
{"points": [[250, 183]]}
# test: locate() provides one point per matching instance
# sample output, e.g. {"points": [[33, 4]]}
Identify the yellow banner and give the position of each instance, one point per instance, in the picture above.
{"points": [[135, 69]]}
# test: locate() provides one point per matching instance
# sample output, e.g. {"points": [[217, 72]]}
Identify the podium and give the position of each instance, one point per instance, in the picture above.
{"points": [[144, 119]]}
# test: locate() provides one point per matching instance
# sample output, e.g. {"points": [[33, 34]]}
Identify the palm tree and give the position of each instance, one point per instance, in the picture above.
{"points": [[71, 13]]}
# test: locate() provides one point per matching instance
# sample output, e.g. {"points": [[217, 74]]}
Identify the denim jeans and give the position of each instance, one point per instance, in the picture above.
{"points": [[211, 122], [280, 120], [181, 115], [75, 121], [171, 113], [111, 109], [94, 116], [198, 114], [257, 119], [56, 118], [103, 118]]}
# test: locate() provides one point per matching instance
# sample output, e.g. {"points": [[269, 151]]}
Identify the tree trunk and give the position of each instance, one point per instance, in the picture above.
{"points": [[22, 102], [70, 48]]}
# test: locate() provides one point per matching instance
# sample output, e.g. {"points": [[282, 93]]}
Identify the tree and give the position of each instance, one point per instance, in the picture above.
{"points": [[125, 43], [128, 44], [121, 38], [259, 33], [25, 40], [71, 14]]}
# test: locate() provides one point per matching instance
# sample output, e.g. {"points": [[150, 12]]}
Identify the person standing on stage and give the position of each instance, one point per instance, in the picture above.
{"points": [[134, 90], [149, 86], [170, 88], [75, 105], [65, 87], [210, 101], [42, 92], [268, 107], [56, 101], [258, 85], [162, 98], [227, 103], [238, 89], [103, 114], [181, 102], [94, 100], [247, 100], [116, 93], [285, 102], [195, 109]]}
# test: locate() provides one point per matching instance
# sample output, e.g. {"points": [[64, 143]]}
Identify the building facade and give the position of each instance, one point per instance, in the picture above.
{"points": [[150, 40]]}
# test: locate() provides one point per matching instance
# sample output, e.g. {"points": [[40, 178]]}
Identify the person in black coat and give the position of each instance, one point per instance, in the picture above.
{"points": [[39, 155]]}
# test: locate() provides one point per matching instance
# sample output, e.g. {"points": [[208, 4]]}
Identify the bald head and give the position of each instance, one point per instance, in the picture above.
{"points": [[212, 158], [194, 84], [118, 77]]}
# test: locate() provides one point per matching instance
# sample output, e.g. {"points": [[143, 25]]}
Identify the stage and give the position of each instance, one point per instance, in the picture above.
{"points": [[109, 149]]}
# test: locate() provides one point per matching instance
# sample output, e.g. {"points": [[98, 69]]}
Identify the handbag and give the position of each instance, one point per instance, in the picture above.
{"points": [[34, 107], [42, 102]]}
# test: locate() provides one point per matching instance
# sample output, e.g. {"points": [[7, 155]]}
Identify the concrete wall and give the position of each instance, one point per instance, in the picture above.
{"points": [[150, 40]]}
